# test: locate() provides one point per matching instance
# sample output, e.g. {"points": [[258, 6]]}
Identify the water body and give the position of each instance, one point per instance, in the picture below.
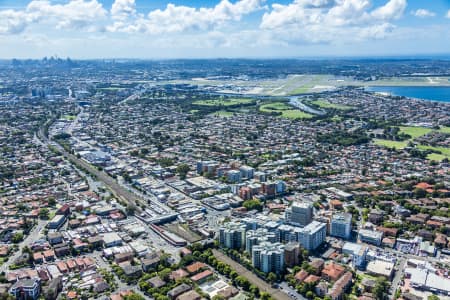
{"points": [[435, 93], [300, 105]]}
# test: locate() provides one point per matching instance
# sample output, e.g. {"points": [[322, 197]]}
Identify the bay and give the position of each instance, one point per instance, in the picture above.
{"points": [[435, 93]]}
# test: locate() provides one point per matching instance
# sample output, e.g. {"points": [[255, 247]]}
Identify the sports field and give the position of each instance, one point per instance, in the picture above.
{"points": [[286, 110], [391, 144], [325, 104], [415, 132]]}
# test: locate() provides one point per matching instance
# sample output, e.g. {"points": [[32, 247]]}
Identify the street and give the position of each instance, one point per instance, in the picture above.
{"points": [[33, 236]]}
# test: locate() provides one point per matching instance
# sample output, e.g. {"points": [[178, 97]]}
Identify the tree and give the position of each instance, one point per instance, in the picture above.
{"points": [[265, 296], [131, 208], [433, 297], [254, 290], [233, 275], [271, 277], [44, 213], [182, 170], [17, 237], [420, 193], [164, 274], [381, 288], [134, 296], [252, 204], [51, 201]]}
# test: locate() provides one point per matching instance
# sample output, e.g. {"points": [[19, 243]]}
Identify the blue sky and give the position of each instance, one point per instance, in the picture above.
{"points": [[223, 28]]}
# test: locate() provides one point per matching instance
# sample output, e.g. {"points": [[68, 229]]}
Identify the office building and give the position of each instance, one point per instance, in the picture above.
{"points": [[287, 233], [207, 167], [247, 172], [57, 222], [234, 176], [232, 235], [258, 236], [291, 254], [26, 289], [341, 225], [370, 236], [268, 257], [312, 236], [357, 252], [260, 176], [280, 187], [299, 213]]}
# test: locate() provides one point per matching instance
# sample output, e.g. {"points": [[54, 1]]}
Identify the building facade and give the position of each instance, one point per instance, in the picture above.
{"points": [[26, 289], [268, 257], [258, 236], [299, 213], [312, 236], [341, 225], [232, 235]]}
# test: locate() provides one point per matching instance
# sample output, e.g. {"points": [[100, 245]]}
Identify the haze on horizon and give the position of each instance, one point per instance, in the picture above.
{"points": [[223, 28]]}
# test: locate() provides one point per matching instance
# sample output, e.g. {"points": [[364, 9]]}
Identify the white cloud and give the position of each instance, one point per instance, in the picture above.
{"points": [[391, 10], [123, 9], [175, 18], [448, 14], [73, 15], [318, 21], [423, 13], [299, 22], [12, 22]]}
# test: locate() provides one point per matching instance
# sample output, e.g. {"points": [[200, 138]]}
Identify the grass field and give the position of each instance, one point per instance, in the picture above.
{"points": [[69, 117], [415, 132], [51, 214], [223, 113], [391, 144], [224, 102], [296, 114], [276, 106], [286, 110], [445, 129], [435, 156], [326, 104], [444, 151], [336, 118]]}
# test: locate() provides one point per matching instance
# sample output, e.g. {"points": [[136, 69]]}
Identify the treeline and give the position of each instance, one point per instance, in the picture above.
{"points": [[343, 138]]}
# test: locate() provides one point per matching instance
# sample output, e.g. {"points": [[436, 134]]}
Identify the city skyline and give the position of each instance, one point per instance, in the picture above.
{"points": [[86, 29]]}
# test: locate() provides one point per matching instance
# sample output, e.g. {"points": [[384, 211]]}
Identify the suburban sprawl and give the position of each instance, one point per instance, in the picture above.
{"points": [[223, 179]]}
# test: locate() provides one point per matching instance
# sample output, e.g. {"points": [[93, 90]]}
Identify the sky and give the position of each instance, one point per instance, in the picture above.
{"points": [[155, 29]]}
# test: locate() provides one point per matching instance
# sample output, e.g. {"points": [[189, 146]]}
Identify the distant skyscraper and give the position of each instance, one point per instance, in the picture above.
{"points": [[341, 225], [299, 213]]}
